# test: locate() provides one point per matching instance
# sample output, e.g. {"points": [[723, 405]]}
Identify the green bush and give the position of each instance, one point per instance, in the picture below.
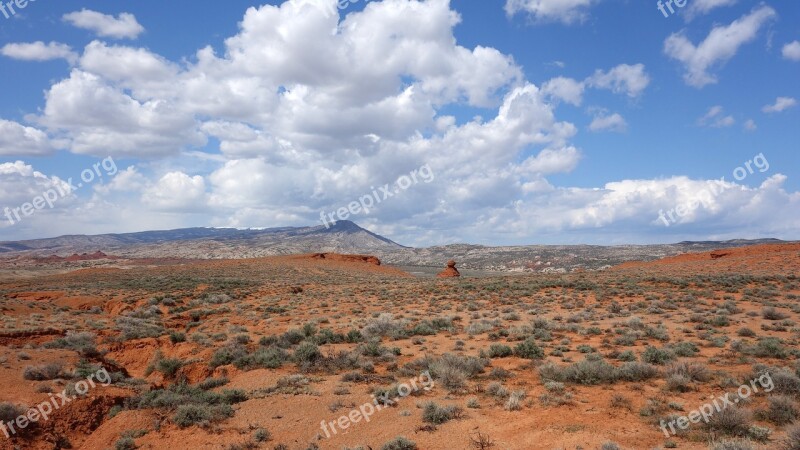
{"points": [[437, 415], [636, 371], [500, 351], [42, 372], [685, 349], [176, 337], [782, 410], [769, 348], [730, 421], [399, 443], [354, 336], [529, 350], [125, 443], [657, 356], [188, 415], [792, 439], [263, 358], [9, 412], [736, 444], [307, 352], [227, 355]]}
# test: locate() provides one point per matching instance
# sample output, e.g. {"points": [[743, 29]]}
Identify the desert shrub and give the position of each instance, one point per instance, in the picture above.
{"points": [[514, 402], [499, 351], [9, 412], [326, 336], [685, 349], [627, 340], [589, 372], [620, 401], [42, 372], [383, 326], [736, 444], [731, 421], [719, 321], [792, 439], [437, 415], [290, 338], [423, 328], [452, 370], [529, 350], [339, 361], [657, 356], [550, 372], [168, 366], [307, 352], [609, 446], [354, 336], [660, 333], [372, 348], [139, 324], [227, 355], [768, 348], [746, 332], [176, 337], [782, 410], [191, 405], [125, 443], [678, 382], [785, 381], [497, 390], [399, 443], [262, 435], [627, 355], [211, 383], [81, 342], [263, 358], [760, 434], [691, 370], [475, 328], [183, 394], [188, 415], [636, 371], [771, 313]]}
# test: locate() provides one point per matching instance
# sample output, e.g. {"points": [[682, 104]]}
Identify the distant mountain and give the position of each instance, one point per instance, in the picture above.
{"points": [[347, 237], [342, 237]]}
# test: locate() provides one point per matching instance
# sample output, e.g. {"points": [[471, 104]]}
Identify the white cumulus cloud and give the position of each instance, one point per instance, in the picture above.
{"points": [[105, 25], [721, 44], [39, 51], [791, 51], [781, 104], [566, 11]]}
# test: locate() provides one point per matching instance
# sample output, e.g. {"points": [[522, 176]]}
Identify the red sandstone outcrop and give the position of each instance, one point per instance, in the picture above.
{"points": [[348, 258], [450, 271]]}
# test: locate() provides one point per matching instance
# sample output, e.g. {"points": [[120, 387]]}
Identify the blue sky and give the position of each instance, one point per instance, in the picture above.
{"points": [[544, 121]]}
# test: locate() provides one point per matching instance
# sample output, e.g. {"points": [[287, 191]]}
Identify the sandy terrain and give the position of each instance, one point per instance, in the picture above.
{"points": [[258, 353]]}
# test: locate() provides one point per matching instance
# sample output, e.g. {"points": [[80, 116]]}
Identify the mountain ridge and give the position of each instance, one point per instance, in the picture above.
{"points": [[348, 237]]}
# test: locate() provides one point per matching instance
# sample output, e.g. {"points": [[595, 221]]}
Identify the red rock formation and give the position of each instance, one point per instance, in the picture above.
{"points": [[348, 258], [719, 254], [450, 271], [98, 255]]}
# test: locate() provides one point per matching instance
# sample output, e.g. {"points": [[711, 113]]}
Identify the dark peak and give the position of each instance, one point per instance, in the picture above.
{"points": [[346, 226], [350, 227]]}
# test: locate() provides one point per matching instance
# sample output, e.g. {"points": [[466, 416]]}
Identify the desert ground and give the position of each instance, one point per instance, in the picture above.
{"points": [[260, 353]]}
